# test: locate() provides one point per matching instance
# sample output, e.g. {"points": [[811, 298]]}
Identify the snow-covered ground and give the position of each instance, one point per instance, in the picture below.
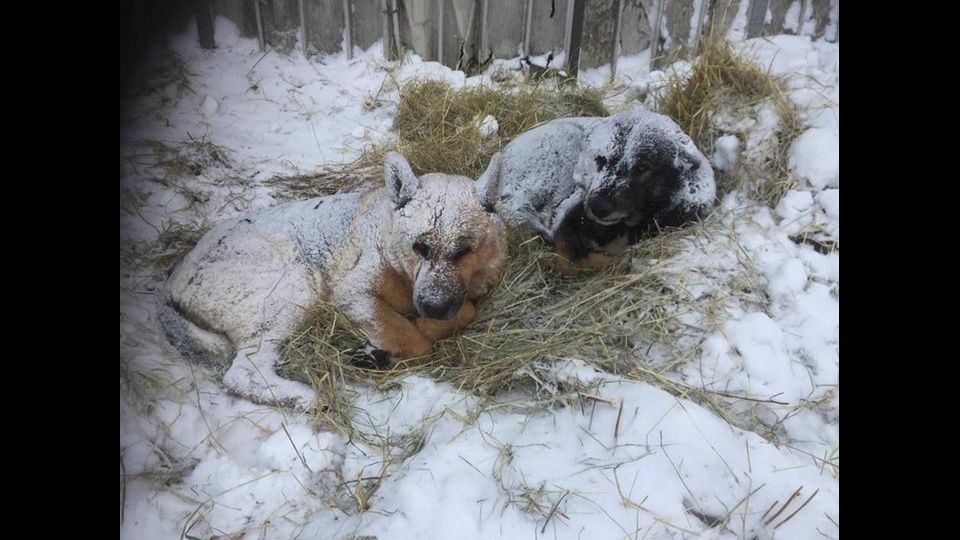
{"points": [[629, 461]]}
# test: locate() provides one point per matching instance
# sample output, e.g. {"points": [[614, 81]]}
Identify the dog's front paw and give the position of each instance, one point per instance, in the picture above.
{"points": [[592, 262], [373, 358]]}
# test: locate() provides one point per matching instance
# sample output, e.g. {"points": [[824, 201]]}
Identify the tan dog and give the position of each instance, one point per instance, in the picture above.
{"points": [[404, 262]]}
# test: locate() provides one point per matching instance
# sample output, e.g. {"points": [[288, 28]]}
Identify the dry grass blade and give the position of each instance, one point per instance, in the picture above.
{"points": [[174, 242], [331, 179]]}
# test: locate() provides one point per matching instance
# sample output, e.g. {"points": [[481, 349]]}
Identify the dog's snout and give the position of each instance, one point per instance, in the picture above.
{"points": [[439, 291], [442, 310], [600, 207]]}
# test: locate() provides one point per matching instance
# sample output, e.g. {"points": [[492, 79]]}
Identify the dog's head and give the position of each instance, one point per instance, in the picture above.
{"points": [[450, 241], [638, 164]]}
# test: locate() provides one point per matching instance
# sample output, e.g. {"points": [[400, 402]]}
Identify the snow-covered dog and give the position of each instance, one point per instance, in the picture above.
{"points": [[404, 262], [590, 185]]}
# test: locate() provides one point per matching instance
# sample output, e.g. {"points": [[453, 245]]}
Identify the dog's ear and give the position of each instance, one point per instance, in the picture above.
{"points": [[686, 161], [400, 180], [489, 183]]}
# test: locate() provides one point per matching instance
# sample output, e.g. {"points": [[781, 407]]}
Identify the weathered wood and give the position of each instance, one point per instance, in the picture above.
{"points": [[755, 17], [655, 39], [259, 17], [205, 24], [576, 37]]}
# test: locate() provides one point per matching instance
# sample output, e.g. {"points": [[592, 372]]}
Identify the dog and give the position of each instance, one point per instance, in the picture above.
{"points": [[592, 186], [404, 262]]}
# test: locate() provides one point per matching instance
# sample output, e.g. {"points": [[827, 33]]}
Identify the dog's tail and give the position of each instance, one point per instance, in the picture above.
{"points": [[204, 346]]}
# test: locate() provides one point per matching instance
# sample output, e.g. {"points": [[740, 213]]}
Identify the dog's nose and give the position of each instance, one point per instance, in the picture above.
{"points": [[440, 310], [600, 207]]}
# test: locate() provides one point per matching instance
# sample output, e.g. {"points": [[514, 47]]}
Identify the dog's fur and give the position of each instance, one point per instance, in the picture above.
{"points": [[591, 186], [404, 262]]}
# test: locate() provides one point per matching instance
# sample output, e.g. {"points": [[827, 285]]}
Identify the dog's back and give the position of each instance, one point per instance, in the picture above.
{"points": [[198, 306], [591, 184], [403, 262], [538, 186]]}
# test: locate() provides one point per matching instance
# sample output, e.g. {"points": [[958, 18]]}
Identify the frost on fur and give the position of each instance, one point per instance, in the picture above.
{"points": [[403, 262], [598, 181]]}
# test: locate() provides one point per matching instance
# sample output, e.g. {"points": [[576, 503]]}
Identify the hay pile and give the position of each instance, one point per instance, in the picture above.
{"points": [[440, 128], [725, 84]]}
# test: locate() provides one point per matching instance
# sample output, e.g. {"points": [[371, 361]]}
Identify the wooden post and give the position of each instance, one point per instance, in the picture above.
{"points": [[655, 28], [205, 24], [303, 30], [347, 30], [757, 14], [385, 33], [803, 11], [484, 45], [698, 32], [256, 11], [395, 17], [440, 31], [616, 39], [526, 28], [576, 36]]}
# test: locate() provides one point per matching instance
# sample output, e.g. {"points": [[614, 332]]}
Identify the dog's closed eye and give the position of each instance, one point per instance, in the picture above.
{"points": [[601, 162], [459, 252], [422, 249]]}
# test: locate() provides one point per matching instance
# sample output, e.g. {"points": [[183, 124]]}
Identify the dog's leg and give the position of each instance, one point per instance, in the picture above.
{"points": [[597, 261], [572, 260], [570, 253], [532, 219], [434, 329], [252, 377], [394, 333], [593, 261]]}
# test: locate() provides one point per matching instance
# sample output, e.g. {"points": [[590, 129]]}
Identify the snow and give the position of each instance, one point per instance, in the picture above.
{"points": [[726, 153], [488, 126], [428, 460], [816, 158]]}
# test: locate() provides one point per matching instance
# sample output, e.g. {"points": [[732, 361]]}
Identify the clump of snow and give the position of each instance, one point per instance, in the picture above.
{"points": [[815, 157], [726, 153], [488, 126], [209, 106], [829, 200], [761, 141], [790, 278], [794, 204]]}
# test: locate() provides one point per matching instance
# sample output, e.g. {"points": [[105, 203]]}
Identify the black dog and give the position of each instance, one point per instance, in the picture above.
{"points": [[594, 185]]}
